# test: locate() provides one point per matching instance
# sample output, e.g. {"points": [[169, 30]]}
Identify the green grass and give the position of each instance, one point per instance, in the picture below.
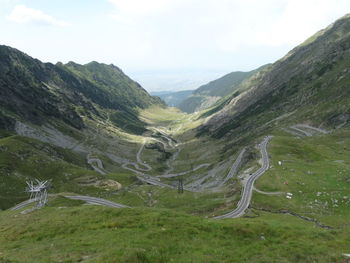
{"points": [[97, 234], [161, 116], [316, 170], [204, 204], [62, 202], [165, 226], [23, 159]]}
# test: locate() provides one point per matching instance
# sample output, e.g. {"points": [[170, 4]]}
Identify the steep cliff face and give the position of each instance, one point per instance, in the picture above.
{"points": [[311, 83]]}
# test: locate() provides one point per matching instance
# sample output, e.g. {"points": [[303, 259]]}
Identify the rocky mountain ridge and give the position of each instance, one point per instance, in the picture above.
{"points": [[309, 84], [36, 92]]}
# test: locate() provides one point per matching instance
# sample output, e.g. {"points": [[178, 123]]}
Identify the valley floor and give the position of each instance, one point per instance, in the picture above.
{"points": [[299, 210]]}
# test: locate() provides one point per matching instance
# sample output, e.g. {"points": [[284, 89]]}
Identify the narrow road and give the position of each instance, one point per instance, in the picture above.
{"points": [[234, 167], [88, 199], [201, 182], [306, 133], [96, 201], [312, 128], [99, 168], [243, 204], [305, 130], [153, 181], [267, 193], [183, 173], [139, 160], [23, 204]]}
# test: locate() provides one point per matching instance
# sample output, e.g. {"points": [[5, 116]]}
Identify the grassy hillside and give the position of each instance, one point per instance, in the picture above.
{"points": [[37, 92], [300, 207], [311, 227], [307, 85], [23, 159], [316, 171], [64, 234], [207, 95], [122, 91]]}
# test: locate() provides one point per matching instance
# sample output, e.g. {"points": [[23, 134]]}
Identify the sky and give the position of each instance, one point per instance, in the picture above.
{"points": [[165, 44]]}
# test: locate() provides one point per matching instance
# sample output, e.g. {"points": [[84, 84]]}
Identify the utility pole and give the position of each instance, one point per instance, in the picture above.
{"points": [[180, 188]]}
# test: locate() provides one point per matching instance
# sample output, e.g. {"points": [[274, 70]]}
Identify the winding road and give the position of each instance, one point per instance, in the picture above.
{"points": [[183, 173], [23, 204], [305, 133], [96, 201], [139, 160], [99, 168], [155, 180], [239, 211], [305, 130], [234, 167], [243, 204], [141, 167], [88, 199]]}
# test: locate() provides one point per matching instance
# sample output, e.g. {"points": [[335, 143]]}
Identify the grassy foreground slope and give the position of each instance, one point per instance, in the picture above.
{"points": [[97, 234]]}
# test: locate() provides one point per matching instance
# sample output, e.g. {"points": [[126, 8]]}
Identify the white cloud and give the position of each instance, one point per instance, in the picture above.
{"points": [[22, 14], [229, 25], [300, 19], [171, 35]]}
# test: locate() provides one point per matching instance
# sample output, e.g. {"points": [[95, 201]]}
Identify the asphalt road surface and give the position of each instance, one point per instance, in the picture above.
{"points": [[248, 188], [96, 201], [234, 167], [23, 204], [88, 199]]}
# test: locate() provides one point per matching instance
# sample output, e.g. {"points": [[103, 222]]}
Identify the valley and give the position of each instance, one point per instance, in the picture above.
{"points": [[152, 196], [259, 174]]}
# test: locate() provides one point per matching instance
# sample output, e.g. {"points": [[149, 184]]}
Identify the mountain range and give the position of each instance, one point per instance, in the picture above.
{"points": [[68, 92], [309, 84], [255, 168]]}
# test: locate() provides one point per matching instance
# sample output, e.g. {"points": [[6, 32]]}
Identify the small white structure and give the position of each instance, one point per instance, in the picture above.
{"points": [[279, 163], [289, 195]]}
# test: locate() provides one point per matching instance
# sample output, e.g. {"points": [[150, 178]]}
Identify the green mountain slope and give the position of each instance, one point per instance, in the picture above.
{"points": [[64, 114], [24, 159], [207, 95], [300, 206], [310, 84], [29, 90], [122, 91], [35, 92]]}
